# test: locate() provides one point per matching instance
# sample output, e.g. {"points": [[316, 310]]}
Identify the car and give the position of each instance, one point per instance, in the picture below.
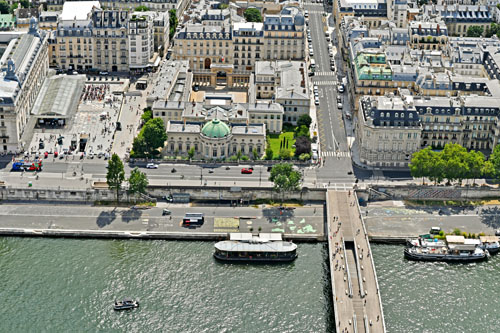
{"points": [[166, 212], [56, 153], [316, 101], [306, 14], [332, 61], [311, 73], [100, 155], [46, 154], [332, 68], [311, 53], [247, 170], [497, 233], [316, 94], [91, 155], [339, 99], [210, 170], [339, 106], [118, 126], [61, 155], [196, 87], [103, 73], [340, 89], [106, 156], [152, 166], [315, 88]]}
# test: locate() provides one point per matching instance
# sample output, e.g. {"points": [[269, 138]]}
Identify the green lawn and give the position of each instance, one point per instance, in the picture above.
{"points": [[276, 139]]}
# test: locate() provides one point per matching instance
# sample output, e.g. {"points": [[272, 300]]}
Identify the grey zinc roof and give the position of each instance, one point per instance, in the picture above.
{"points": [[59, 96]]}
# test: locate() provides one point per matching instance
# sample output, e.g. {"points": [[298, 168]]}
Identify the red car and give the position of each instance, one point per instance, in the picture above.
{"points": [[46, 154], [247, 170]]}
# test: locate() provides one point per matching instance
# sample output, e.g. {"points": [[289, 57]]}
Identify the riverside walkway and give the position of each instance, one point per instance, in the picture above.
{"points": [[356, 298]]}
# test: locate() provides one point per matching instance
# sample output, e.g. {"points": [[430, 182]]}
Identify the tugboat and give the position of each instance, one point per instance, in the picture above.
{"points": [[125, 304], [456, 250], [265, 248]]}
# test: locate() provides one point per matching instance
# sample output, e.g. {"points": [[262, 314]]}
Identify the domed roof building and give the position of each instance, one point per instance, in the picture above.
{"points": [[215, 129], [215, 139]]}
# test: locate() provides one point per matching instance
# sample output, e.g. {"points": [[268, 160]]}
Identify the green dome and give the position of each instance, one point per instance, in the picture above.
{"points": [[215, 129]]}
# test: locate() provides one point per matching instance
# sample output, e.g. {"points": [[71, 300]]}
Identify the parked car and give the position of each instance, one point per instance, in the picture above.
{"points": [[103, 73], [247, 170], [339, 99], [152, 166], [339, 106], [316, 101]]}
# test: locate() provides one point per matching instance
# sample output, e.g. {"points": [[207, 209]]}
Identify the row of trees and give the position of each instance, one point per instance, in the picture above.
{"points": [[454, 163], [173, 21], [138, 181], [489, 31]]}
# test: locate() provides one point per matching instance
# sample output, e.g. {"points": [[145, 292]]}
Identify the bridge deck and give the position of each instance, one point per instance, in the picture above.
{"points": [[357, 304]]}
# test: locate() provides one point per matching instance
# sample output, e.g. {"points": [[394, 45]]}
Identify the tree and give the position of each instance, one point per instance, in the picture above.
{"points": [[139, 147], [302, 145], [454, 157], [255, 154], [252, 15], [269, 153], [495, 161], [285, 154], [138, 181], [420, 163], [25, 3], [305, 120], [238, 155], [191, 153], [141, 8], [223, 6], [147, 115], [475, 31], [488, 171], [115, 175], [302, 131], [172, 14], [285, 179], [475, 165], [4, 7], [154, 134]]}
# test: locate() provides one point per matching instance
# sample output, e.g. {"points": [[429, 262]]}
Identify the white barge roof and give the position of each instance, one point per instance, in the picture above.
{"points": [[250, 246]]}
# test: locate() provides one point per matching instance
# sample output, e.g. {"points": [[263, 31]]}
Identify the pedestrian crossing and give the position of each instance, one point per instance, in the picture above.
{"points": [[324, 73], [325, 83], [316, 11], [336, 154]]}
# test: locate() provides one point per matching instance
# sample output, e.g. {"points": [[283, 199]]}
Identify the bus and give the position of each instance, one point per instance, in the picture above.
{"points": [[193, 218]]}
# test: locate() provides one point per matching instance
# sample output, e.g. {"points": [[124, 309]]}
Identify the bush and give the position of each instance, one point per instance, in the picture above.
{"points": [[304, 157], [457, 232], [233, 158], [285, 154], [245, 158], [464, 234], [441, 233]]}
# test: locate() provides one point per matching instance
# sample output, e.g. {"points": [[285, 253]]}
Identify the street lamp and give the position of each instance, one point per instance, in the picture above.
{"points": [[260, 175]]}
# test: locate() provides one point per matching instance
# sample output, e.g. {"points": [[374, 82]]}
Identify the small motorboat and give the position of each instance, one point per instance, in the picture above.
{"points": [[125, 304]]}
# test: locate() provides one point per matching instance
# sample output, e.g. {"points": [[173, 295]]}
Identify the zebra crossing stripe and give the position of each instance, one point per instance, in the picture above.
{"points": [[325, 83], [324, 73], [336, 154]]}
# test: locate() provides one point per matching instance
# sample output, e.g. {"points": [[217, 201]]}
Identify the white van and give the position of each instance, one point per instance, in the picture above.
{"points": [[313, 64]]}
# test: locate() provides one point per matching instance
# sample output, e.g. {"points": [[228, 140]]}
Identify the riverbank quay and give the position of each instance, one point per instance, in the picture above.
{"points": [[393, 221], [302, 224]]}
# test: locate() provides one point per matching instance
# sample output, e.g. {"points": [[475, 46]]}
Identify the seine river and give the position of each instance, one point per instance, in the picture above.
{"points": [[61, 285]]}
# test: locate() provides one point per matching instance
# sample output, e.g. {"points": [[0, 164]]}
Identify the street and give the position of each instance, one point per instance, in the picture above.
{"points": [[300, 220]]}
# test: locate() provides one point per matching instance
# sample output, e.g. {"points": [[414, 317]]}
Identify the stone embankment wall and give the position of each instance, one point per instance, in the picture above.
{"points": [[419, 192], [196, 193]]}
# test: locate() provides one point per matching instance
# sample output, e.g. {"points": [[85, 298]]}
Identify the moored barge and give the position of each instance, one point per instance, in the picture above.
{"points": [[265, 248]]}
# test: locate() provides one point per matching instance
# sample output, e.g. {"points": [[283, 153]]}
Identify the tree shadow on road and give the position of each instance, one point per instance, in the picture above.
{"points": [[106, 218], [491, 217], [131, 215]]}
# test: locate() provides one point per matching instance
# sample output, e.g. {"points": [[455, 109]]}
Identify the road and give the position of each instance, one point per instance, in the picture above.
{"points": [[302, 220], [333, 139]]}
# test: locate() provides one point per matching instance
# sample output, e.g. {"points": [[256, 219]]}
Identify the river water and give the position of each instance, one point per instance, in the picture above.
{"points": [[60, 285], [437, 297]]}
